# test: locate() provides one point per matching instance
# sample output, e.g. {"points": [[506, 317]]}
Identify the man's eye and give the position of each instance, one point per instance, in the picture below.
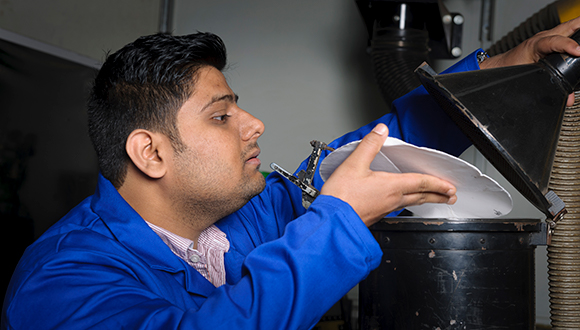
{"points": [[221, 118]]}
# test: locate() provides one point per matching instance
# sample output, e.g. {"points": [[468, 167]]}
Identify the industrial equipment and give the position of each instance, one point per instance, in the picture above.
{"points": [[479, 273]]}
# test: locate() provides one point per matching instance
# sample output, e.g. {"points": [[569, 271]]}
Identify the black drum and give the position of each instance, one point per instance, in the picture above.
{"points": [[452, 274]]}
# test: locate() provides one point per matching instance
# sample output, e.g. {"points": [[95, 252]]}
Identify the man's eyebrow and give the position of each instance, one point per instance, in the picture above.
{"points": [[232, 98]]}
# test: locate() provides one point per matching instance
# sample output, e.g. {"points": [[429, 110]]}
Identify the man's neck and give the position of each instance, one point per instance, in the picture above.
{"points": [[153, 206]]}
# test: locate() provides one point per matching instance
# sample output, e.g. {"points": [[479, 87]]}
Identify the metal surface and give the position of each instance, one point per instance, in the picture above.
{"points": [[304, 179], [166, 16], [307, 190], [449, 274]]}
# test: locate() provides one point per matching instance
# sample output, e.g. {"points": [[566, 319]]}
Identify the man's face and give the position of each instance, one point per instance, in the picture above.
{"points": [[218, 170]]}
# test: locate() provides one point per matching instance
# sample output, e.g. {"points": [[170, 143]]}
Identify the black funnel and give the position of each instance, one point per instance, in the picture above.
{"points": [[513, 116]]}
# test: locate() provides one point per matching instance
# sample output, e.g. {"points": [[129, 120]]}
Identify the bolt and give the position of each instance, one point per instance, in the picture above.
{"points": [[446, 19]]}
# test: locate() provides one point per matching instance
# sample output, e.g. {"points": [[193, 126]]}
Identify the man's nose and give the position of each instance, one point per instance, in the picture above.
{"points": [[251, 126]]}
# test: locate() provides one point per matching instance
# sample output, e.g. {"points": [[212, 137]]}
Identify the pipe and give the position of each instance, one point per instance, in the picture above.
{"points": [[166, 16], [550, 16], [394, 53], [544, 19], [564, 250]]}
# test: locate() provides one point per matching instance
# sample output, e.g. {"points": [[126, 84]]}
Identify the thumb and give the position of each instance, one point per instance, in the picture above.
{"points": [[369, 147]]}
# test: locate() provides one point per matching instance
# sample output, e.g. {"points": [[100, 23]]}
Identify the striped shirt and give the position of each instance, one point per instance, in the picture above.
{"points": [[207, 259]]}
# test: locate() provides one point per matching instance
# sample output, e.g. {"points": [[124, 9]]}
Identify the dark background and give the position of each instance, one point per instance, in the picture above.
{"points": [[47, 163]]}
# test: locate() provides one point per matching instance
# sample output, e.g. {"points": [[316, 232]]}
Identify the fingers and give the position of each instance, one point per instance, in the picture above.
{"points": [[557, 44], [555, 40], [388, 192], [558, 41], [421, 188], [426, 197], [571, 100], [368, 148], [375, 194], [567, 28]]}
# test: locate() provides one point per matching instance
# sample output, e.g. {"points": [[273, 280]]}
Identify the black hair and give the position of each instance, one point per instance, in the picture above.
{"points": [[143, 85]]}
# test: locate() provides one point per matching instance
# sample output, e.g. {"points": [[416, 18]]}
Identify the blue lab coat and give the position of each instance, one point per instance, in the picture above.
{"points": [[102, 267]]}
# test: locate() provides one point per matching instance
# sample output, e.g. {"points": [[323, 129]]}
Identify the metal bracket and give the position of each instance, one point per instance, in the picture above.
{"points": [[304, 179], [543, 237], [557, 206], [453, 29], [557, 210]]}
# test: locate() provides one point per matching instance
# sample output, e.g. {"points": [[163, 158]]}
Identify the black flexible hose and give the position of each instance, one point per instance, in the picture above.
{"points": [[395, 55], [544, 19]]}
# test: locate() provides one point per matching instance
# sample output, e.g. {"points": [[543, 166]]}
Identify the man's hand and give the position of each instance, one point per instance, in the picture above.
{"points": [[544, 43], [540, 45], [375, 194]]}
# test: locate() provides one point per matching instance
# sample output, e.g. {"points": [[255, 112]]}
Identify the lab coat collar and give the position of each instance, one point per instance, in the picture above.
{"points": [[133, 232]]}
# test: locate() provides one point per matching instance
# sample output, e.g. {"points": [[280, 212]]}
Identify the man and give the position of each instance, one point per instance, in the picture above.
{"points": [[182, 231]]}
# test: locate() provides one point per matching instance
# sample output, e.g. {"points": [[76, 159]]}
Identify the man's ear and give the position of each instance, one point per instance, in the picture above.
{"points": [[146, 150]]}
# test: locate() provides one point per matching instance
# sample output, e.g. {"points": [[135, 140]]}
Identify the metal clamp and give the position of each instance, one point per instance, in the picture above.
{"points": [[557, 210], [304, 179]]}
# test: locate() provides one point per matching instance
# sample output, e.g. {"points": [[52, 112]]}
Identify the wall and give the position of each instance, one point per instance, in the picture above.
{"points": [[48, 54], [51, 104], [89, 28]]}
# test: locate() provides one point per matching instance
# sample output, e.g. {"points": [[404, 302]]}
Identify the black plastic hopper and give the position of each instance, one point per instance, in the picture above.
{"points": [[513, 116]]}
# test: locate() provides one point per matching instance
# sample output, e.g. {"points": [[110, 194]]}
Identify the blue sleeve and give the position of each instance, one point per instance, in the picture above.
{"points": [[87, 280], [328, 245]]}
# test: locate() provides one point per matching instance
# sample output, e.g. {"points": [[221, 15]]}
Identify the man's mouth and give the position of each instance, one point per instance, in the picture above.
{"points": [[253, 159]]}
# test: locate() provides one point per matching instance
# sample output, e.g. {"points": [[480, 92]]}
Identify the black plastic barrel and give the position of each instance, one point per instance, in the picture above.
{"points": [[449, 274]]}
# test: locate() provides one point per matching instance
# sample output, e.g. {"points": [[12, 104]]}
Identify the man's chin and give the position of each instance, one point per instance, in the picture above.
{"points": [[260, 185], [251, 189]]}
